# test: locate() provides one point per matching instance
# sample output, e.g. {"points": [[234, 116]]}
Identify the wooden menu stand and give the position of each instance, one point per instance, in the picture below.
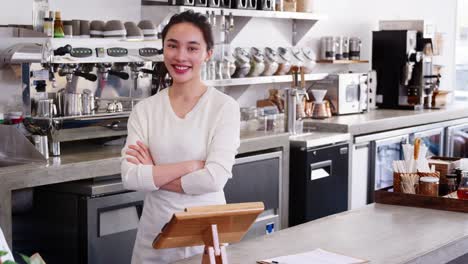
{"points": [[211, 226]]}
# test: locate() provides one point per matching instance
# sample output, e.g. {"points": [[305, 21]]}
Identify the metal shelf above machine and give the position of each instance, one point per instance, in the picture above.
{"points": [[262, 80], [302, 22], [88, 117], [343, 61]]}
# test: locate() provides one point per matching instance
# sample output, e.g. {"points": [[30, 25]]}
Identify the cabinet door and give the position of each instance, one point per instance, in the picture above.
{"points": [[326, 182], [457, 141], [385, 152], [433, 139], [360, 166]]}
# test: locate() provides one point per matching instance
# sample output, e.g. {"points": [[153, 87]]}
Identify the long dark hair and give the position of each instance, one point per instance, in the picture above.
{"points": [[196, 19]]}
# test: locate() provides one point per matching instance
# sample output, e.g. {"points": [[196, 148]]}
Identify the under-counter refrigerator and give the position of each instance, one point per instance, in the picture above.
{"points": [[318, 182]]}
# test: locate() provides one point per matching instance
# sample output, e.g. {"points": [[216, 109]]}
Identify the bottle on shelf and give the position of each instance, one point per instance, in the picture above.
{"points": [[48, 26], [58, 26], [39, 9]]}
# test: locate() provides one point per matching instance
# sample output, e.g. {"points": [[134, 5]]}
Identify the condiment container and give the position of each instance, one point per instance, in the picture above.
{"points": [[242, 63], [271, 62], [284, 61], [309, 60], [429, 186], [257, 63]]}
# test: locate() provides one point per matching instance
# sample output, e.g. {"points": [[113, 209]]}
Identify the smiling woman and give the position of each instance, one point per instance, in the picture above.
{"points": [[181, 142]]}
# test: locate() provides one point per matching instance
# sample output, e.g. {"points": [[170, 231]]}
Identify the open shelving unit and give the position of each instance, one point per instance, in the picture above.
{"points": [[262, 80], [302, 22]]}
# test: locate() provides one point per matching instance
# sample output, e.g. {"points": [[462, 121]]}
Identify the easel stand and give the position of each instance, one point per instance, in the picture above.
{"points": [[211, 226], [215, 253]]}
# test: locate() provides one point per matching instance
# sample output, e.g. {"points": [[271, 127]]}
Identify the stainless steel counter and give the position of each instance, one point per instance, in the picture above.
{"points": [[84, 160], [386, 119], [379, 233]]}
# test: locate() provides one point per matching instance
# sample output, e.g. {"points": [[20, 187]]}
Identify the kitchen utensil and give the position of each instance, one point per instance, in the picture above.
{"points": [[46, 108], [115, 29], [133, 31], [202, 2], [73, 104], [266, 5], [89, 104], [96, 29], [84, 29], [214, 3], [149, 29], [355, 48], [240, 4], [328, 48]]}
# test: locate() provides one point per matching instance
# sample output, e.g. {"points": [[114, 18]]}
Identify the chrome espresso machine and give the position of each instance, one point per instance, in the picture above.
{"points": [[77, 89]]}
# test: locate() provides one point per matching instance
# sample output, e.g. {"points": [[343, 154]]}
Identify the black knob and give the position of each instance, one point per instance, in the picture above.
{"points": [[63, 50], [148, 71]]}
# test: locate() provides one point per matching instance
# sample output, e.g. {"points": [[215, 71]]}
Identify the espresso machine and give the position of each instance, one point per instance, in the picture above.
{"points": [[77, 89], [402, 58]]}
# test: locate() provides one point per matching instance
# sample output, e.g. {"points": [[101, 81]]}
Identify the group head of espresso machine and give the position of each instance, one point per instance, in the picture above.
{"points": [[78, 89]]}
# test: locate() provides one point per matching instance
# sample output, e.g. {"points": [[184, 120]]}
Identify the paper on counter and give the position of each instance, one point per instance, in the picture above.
{"points": [[317, 256]]}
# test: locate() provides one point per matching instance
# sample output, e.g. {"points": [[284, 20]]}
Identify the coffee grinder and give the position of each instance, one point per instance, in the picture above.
{"points": [[398, 59]]}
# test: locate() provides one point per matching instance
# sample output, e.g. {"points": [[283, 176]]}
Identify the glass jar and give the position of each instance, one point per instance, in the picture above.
{"points": [[271, 62], [261, 118], [309, 60], [284, 61], [252, 119], [452, 184], [242, 63], [257, 63], [429, 186], [280, 125], [270, 123]]}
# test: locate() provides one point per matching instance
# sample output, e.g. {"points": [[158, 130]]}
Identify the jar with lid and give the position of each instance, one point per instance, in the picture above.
{"points": [[280, 125], [271, 62], [284, 61], [257, 63], [309, 60], [270, 123], [429, 186], [229, 67], [242, 63], [252, 119], [297, 57], [305, 6], [244, 116]]}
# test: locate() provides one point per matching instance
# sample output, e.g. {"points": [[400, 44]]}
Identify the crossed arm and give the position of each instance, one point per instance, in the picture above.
{"points": [[167, 176]]}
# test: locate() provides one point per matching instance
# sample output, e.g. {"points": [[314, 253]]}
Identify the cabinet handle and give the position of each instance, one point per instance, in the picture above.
{"points": [[321, 170]]}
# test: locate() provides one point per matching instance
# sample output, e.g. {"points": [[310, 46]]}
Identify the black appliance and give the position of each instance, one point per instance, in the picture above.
{"points": [[318, 182], [81, 222], [397, 59]]}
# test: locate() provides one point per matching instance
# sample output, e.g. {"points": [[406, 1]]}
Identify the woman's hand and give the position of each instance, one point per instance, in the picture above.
{"points": [[140, 154], [195, 165]]}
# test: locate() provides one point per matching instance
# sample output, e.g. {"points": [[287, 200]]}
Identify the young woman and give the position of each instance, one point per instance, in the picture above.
{"points": [[181, 142]]}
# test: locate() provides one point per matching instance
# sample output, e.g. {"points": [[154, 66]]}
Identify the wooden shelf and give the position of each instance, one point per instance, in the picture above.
{"points": [[342, 61]]}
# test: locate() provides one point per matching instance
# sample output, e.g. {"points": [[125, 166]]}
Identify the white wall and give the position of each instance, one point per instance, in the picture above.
{"points": [[20, 11], [352, 18]]}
